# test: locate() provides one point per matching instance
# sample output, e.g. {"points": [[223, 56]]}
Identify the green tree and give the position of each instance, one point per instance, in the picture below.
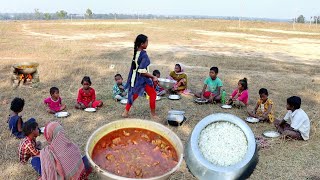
{"points": [[47, 16], [301, 19], [62, 14], [88, 13]]}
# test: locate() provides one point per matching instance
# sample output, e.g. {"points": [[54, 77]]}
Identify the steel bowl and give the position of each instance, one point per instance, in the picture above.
{"points": [[133, 123], [26, 67], [166, 83], [203, 169], [201, 101]]}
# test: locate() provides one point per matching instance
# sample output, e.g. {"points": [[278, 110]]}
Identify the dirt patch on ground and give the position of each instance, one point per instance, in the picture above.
{"points": [[77, 36]]}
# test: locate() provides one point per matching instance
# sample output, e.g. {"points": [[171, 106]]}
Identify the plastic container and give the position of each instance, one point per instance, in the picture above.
{"points": [[223, 97]]}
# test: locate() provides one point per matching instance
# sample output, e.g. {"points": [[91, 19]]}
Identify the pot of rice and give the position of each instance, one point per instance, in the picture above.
{"points": [[221, 146], [134, 149]]}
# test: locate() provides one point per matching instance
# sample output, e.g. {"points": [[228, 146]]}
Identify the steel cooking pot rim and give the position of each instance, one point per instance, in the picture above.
{"points": [[35, 64], [218, 117], [114, 176]]}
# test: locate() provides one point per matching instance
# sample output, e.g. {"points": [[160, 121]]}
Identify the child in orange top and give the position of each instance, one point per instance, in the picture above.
{"points": [[87, 95], [264, 108]]}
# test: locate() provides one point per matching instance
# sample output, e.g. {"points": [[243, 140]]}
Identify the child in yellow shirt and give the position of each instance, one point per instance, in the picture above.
{"points": [[264, 108]]}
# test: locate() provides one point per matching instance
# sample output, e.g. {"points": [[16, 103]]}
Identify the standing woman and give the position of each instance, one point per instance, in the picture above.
{"points": [[139, 79], [61, 159]]}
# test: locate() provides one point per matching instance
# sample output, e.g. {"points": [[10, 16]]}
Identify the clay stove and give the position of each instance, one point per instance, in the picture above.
{"points": [[25, 74]]}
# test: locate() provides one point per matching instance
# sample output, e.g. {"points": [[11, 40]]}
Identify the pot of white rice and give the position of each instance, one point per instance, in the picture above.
{"points": [[221, 146]]}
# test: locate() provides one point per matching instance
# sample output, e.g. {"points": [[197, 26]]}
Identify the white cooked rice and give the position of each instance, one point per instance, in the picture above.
{"points": [[223, 143]]}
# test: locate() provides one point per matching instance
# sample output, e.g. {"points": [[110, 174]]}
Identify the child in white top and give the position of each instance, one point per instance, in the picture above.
{"points": [[296, 123]]}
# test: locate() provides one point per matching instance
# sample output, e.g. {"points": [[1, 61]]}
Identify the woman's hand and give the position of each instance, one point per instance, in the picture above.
{"points": [[90, 105]]}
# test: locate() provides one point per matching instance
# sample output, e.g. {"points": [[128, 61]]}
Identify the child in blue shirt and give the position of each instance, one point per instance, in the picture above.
{"points": [[15, 121], [118, 90], [212, 87], [160, 90]]}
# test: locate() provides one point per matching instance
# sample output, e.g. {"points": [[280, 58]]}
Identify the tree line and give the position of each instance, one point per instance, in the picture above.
{"points": [[88, 14], [302, 19]]}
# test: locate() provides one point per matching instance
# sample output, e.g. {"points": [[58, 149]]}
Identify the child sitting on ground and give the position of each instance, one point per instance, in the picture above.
{"points": [[160, 90], [87, 95], [212, 87], [264, 108], [54, 103], [181, 77], [28, 147], [118, 90], [15, 121], [240, 96], [296, 123]]}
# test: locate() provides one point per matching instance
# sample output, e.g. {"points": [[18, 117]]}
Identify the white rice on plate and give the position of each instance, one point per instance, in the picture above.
{"points": [[223, 143]]}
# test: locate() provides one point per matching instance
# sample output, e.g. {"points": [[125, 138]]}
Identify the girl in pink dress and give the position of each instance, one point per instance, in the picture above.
{"points": [[54, 102], [87, 95], [240, 96]]}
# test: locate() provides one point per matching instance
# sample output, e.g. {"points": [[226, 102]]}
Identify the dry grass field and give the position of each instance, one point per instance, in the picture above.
{"points": [[270, 55]]}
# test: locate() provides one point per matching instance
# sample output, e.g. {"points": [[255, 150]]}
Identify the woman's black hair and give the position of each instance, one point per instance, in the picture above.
{"points": [[156, 72], [141, 38], [264, 91], [86, 79], [17, 104], [53, 90], [244, 83], [29, 126], [294, 101], [178, 66]]}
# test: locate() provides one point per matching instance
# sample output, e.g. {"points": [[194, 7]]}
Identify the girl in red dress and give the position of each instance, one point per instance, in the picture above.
{"points": [[87, 95]]}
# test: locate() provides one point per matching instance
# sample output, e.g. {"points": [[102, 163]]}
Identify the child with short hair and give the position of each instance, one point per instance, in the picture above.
{"points": [[180, 76], [28, 147], [212, 86], [240, 96], [54, 102], [296, 123], [87, 95], [15, 121], [264, 107], [118, 90], [160, 90]]}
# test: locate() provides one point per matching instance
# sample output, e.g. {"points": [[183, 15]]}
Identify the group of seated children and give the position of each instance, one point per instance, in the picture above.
{"points": [[61, 159], [295, 125], [178, 74], [86, 98]]}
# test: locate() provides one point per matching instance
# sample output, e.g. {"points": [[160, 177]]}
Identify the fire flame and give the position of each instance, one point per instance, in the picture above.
{"points": [[23, 77]]}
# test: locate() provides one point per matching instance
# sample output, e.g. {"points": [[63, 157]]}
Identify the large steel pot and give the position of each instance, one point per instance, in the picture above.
{"points": [[166, 83], [203, 169], [26, 67], [133, 123]]}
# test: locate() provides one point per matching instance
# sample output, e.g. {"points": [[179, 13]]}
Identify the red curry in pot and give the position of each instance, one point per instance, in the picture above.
{"points": [[135, 153]]}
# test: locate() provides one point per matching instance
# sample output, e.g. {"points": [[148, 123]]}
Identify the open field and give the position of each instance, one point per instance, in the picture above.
{"points": [[270, 55]]}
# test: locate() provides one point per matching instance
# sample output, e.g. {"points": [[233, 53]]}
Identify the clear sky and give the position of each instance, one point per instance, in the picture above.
{"points": [[278, 9]]}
